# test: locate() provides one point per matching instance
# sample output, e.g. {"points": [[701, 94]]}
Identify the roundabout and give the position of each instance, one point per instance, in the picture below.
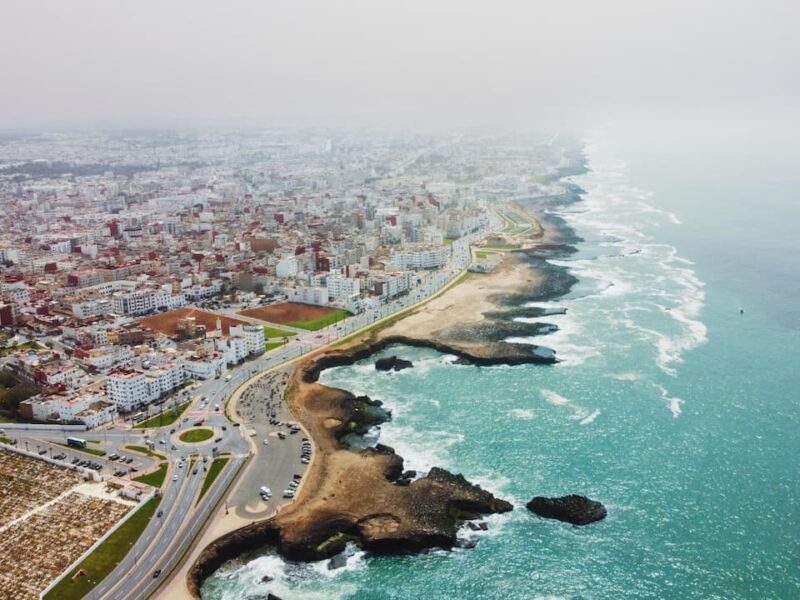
{"points": [[196, 435]]}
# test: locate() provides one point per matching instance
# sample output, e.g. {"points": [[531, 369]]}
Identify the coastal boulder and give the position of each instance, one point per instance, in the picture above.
{"points": [[392, 363], [578, 510]]}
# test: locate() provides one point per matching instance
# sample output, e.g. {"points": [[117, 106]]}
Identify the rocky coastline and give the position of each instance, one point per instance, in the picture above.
{"points": [[365, 496]]}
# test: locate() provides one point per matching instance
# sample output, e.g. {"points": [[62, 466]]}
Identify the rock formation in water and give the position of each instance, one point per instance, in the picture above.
{"points": [[578, 510], [392, 363]]}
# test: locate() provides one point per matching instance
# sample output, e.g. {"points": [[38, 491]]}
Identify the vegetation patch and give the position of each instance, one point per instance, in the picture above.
{"points": [[165, 418], [213, 472], [333, 543], [274, 332], [196, 435], [272, 345], [12, 392], [105, 557], [333, 317], [13, 349], [156, 478], [146, 451]]}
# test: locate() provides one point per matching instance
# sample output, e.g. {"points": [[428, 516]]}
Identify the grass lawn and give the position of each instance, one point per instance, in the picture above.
{"points": [[156, 478], [92, 451], [196, 435], [213, 472], [449, 241], [167, 417], [5, 440], [273, 332], [145, 450], [272, 345], [105, 557], [481, 255], [329, 319]]}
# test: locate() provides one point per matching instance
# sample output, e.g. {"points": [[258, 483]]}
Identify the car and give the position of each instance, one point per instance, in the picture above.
{"points": [[194, 472], [172, 430], [297, 476], [175, 477], [157, 573], [224, 428], [305, 461], [180, 465], [281, 435], [162, 442], [174, 447], [266, 442], [288, 493], [218, 440], [129, 460], [160, 514]]}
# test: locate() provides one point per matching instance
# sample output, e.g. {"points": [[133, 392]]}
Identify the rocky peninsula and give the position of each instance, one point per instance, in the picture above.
{"points": [[364, 496]]}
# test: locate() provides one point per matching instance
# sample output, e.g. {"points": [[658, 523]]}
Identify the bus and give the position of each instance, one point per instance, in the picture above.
{"points": [[138, 417], [76, 442]]}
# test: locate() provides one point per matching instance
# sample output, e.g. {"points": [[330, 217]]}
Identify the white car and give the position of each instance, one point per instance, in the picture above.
{"points": [[266, 442]]}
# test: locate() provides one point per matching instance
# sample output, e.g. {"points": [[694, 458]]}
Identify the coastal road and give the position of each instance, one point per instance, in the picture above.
{"points": [[177, 536]]}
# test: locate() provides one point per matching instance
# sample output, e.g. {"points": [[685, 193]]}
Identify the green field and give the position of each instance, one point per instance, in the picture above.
{"points": [[5, 440], [213, 472], [274, 332], [147, 451], [481, 255], [156, 478], [272, 345], [329, 319], [105, 557], [449, 241], [196, 435], [92, 451], [167, 417]]}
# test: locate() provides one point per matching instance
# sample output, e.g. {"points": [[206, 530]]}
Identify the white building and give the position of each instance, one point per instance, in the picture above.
{"points": [[425, 258], [308, 295], [340, 286], [287, 267], [143, 301], [130, 388]]}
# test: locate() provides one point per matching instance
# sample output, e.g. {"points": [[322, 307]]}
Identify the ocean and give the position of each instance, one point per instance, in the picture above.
{"points": [[675, 403]]}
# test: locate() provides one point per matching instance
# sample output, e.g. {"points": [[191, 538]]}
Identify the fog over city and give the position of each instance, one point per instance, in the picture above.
{"points": [[390, 63]]}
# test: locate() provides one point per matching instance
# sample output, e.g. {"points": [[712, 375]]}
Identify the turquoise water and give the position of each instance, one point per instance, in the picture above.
{"points": [[676, 411]]}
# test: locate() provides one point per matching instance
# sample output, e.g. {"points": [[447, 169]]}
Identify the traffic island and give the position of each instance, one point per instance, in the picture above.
{"points": [[196, 435]]}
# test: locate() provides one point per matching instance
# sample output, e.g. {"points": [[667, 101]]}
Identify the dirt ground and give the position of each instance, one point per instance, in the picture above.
{"points": [[167, 322], [286, 312]]}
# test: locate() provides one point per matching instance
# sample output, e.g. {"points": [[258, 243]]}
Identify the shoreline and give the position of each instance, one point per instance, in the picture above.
{"points": [[362, 495]]}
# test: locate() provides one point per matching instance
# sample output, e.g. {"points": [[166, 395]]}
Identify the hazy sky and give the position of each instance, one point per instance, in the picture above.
{"points": [[406, 62]]}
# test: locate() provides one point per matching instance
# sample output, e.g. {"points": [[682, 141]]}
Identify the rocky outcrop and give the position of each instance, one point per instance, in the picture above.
{"points": [[524, 355], [392, 363], [578, 510]]}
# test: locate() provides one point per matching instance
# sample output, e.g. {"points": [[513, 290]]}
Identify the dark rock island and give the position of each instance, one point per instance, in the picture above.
{"points": [[578, 510], [392, 363]]}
